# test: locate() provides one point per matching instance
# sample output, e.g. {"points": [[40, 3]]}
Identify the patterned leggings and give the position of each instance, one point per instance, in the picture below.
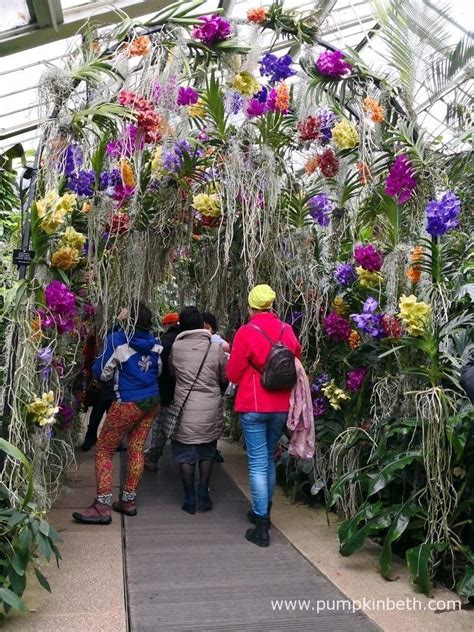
{"points": [[123, 419]]}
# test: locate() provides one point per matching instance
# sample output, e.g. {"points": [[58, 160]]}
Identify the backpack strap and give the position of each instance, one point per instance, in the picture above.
{"points": [[272, 342]]}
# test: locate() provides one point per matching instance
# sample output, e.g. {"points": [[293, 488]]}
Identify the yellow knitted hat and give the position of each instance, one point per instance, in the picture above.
{"points": [[261, 297]]}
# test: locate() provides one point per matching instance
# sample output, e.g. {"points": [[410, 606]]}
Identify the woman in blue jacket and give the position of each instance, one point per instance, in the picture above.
{"points": [[133, 363]]}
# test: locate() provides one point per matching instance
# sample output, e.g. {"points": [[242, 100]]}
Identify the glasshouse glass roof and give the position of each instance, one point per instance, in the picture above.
{"points": [[34, 39]]}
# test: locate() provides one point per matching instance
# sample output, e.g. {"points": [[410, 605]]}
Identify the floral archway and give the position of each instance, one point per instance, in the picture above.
{"points": [[192, 156]]}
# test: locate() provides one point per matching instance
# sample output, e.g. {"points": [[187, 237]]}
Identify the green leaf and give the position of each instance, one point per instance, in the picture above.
{"points": [[57, 554], [25, 538], [17, 582], [44, 528], [15, 453], [355, 541], [349, 526], [338, 487], [465, 585], [20, 562], [16, 518], [97, 159], [9, 597], [457, 435], [418, 559], [44, 546], [382, 478], [54, 535], [397, 528], [42, 580]]}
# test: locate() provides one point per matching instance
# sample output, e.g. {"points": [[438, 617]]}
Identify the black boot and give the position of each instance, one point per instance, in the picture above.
{"points": [[259, 535], [252, 516], [189, 504], [204, 500]]}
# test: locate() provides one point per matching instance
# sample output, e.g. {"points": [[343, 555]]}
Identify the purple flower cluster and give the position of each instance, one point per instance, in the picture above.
{"points": [[59, 298], [66, 415], [203, 135], [319, 401], [109, 180], [401, 181], [277, 68], [319, 406], [131, 142], [82, 183], [234, 102], [257, 104], [327, 122], [262, 95], [355, 378], [212, 29], [320, 208], [318, 383], [344, 274], [337, 327], [442, 215], [332, 64], [61, 308], [45, 357], [88, 311], [173, 159], [187, 96], [255, 108], [165, 94], [369, 322], [368, 257], [73, 159]]}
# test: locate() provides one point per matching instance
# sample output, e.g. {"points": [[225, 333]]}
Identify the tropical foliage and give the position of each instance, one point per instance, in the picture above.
{"points": [[26, 538]]}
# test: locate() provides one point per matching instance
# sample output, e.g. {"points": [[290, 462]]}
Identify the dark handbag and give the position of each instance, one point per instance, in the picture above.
{"points": [[173, 413]]}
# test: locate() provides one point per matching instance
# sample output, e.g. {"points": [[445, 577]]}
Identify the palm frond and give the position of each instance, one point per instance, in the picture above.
{"points": [[104, 116], [415, 35], [447, 67], [93, 71]]}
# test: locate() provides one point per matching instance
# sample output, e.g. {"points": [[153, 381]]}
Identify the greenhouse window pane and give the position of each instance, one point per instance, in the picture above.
{"points": [[14, 13]]}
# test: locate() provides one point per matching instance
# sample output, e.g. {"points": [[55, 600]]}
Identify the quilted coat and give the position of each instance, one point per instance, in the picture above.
{"points": [[203, 415]]}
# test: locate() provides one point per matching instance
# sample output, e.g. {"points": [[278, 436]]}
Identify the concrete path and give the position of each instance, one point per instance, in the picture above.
{"points": [[88, 587]]}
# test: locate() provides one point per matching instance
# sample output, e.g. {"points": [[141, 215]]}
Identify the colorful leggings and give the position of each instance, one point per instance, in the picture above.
{"points": [[123, 419]]}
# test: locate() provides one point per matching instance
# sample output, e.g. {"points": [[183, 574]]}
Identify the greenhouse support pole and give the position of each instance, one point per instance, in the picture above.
{"points": [[26, 203]]}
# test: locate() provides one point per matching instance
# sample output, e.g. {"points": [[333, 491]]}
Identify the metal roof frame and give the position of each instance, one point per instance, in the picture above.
{"points": [[103, 13]]}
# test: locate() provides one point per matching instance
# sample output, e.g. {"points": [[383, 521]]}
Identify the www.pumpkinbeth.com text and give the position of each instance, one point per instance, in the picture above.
{"points": [[364, 605]]}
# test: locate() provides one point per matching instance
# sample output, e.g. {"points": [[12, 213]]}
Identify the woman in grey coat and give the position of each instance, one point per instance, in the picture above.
{"points": [[195, 440]]}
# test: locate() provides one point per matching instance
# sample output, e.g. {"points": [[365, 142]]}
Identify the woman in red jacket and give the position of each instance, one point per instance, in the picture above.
{"points": [[263, 413]]}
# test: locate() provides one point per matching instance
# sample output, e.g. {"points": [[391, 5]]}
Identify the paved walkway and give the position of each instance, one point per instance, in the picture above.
{"points": [[199, 573]]}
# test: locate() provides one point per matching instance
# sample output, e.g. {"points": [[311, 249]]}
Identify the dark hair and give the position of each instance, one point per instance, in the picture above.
{"points": [[141, 316], [211, 320], [190, 318]]}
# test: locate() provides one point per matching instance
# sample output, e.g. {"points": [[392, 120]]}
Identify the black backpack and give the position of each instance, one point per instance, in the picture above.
{"points": [[279, 372]]}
